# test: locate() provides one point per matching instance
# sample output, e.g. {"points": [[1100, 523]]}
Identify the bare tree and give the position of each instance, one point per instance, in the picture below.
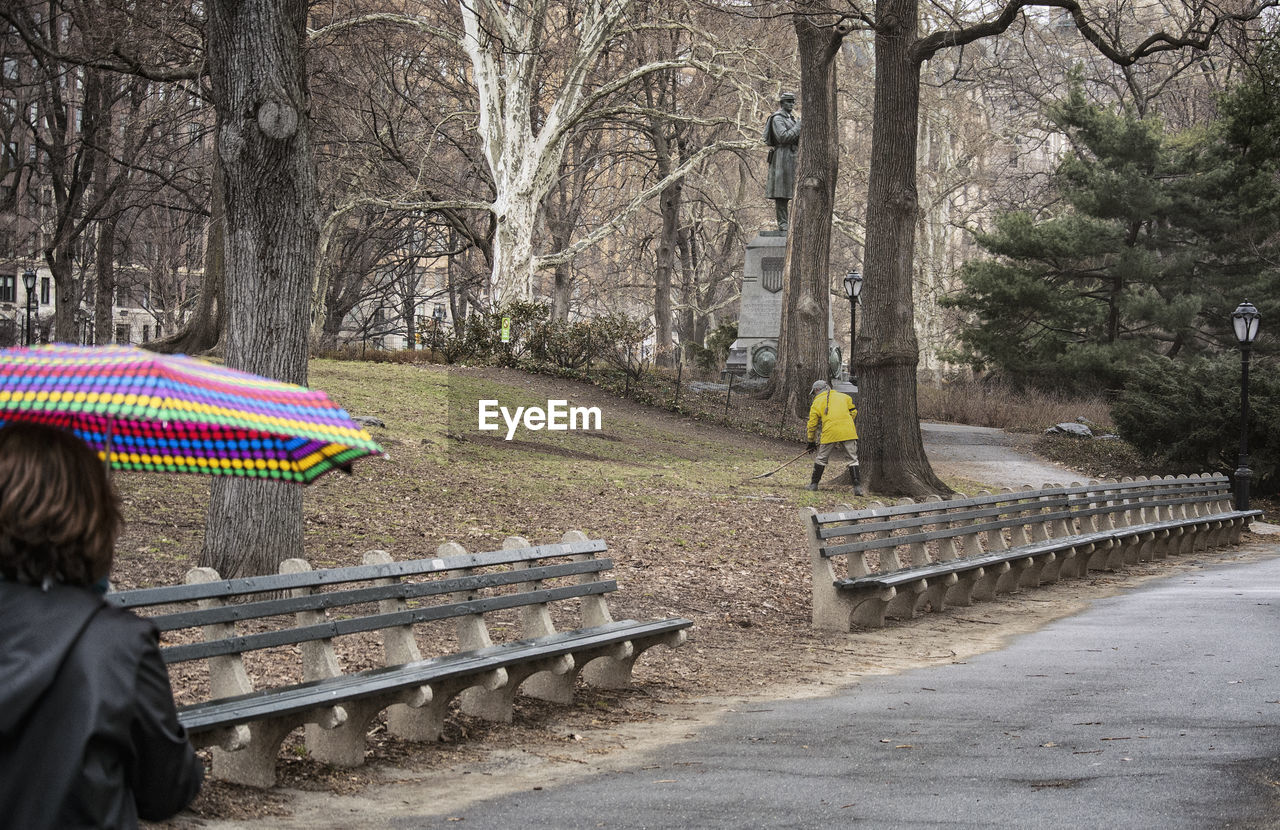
{"points": [[803, 340], [887, 348], [259, 82]]}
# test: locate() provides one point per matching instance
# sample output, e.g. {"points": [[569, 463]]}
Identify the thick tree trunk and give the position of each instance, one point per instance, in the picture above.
{"points": [[58, 258], [513, 258], [803, 341], [886, 352], [256, 50]]}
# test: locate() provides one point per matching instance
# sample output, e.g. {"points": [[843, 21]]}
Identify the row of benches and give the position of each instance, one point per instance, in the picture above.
{"points": [[516, 595], [899, 560], [505, 620]]}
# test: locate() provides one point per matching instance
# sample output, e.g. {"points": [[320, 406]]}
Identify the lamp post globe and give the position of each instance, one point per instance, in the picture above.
{"points": [[1244, 321], [852, 288], [29, 280]]}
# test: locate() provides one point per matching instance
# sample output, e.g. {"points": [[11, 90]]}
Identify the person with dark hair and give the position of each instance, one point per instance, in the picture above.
{"points": [[89, 736]]}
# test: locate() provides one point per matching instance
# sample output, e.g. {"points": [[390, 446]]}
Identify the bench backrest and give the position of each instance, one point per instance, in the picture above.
{"points": [[913, 534], [377, 596]]}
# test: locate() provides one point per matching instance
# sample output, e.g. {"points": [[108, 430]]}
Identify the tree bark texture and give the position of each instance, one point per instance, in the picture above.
{"points": [[256, 61], [663, 272], [886, 353], [804, 338], [104, 291]]}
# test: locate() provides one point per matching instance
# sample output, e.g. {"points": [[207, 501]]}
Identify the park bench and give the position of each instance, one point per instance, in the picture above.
{"points": [[456, 604], [896, 561]]}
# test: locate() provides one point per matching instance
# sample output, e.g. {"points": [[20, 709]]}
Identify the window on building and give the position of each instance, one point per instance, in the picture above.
{"points": [[46, 290], [8, 288], [124, 333], [146, 334]]}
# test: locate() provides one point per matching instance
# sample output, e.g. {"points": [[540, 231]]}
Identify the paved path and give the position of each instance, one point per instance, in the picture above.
{"points": [[1159, 708], [990, 455]]}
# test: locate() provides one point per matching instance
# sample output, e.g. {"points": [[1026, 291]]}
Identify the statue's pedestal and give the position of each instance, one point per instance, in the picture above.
{"points": [[755, 351]]}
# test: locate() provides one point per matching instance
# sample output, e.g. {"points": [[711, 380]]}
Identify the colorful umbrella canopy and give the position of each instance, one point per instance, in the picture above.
{"points": [[146, 411]]}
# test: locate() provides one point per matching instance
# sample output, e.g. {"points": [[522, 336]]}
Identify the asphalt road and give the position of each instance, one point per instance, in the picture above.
{"points": [[1159, 708]]}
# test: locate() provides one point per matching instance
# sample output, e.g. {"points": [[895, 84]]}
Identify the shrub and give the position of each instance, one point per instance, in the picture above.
{"points": [[1187, 414], [995, 404], [711, 357]]}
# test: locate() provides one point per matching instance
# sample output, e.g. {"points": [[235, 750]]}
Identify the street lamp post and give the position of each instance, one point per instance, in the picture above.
{"points": [[1245, 322], [852, 288], [29, 280]]}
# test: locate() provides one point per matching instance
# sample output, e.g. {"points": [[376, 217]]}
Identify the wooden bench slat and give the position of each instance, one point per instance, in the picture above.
{"points": [[1201, 485], [143, 597], [354, 596], [376, 622]]}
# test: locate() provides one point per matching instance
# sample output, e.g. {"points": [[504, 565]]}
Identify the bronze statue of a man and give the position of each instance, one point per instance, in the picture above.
{"points": [[782, 134]]}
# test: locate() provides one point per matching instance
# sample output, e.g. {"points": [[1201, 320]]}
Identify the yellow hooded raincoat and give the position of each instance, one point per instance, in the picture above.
{"points": [[834, 413]]}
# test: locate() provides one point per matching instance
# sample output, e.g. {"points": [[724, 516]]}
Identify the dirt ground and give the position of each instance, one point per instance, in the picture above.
{"points": [[731, 557]]}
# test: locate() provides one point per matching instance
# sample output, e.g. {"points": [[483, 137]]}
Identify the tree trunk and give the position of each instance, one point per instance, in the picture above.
{"points": [[886, 352], [561, 293], [256, 61], [204, 328], [103, 324], [513, 258], [58, 258], [662, 273], [803, 340]]}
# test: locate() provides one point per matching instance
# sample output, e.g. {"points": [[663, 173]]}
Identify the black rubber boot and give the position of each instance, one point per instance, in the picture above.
{"points": [[818, 469], [857, 480]]}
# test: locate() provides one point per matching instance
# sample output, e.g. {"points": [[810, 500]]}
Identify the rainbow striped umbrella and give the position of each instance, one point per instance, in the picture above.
{"points": [[148, 411]]}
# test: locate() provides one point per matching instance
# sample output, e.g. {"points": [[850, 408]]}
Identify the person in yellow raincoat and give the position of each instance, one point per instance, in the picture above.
{"points": [[831, 425]]}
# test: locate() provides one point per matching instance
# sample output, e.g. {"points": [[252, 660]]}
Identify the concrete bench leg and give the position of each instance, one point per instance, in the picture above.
{"points": [[612, 669], [342, 744], [1074, 561], [1099, 558], [426, 722], [909, 600], [1154, 546], [935, 596], [1053, 568], [254, 764], [1011, 580], [553, 686], [405, 719], [984, 587], [867, 608], [498, 704], [961, 593], [1033, 575], [1128, 550]]}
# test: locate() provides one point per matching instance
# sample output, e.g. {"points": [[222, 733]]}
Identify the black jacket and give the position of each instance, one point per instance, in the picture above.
{"points": [[88, 732]]}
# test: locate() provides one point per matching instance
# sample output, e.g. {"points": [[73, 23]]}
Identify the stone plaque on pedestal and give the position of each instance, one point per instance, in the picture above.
{"points": [[755, 351]]}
